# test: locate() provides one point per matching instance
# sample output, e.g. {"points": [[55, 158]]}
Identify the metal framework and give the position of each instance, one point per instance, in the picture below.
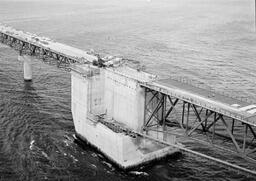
{"points": [[45, 54], [163, 113]]}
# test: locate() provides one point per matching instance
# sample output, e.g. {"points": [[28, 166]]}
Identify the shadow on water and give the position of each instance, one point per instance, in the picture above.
{"points": [[28, 86]]}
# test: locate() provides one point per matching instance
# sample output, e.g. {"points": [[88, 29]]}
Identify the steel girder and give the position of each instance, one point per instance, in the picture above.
{"points": [[198, 123], [46, 55]]}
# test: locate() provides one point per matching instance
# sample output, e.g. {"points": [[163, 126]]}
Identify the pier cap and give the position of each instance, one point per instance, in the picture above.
{"points": [[132, 73], [85, 70]]}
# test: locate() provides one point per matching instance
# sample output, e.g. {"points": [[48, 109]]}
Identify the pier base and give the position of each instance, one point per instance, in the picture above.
{"points": [[124, 151], [27, 66]]}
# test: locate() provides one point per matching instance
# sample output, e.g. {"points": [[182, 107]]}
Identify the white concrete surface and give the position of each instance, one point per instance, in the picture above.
{"points": [[27, 66], [124, 100], [124, 150], [97, 91], [246, 108], [79, 91], [253, 111]]}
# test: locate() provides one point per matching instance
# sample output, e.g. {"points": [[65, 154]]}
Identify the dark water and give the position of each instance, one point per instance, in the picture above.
{"points": [[212, 42]]}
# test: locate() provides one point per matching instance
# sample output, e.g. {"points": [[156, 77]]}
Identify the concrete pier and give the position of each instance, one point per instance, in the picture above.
{"points": [[27, 66], [107, 101]]}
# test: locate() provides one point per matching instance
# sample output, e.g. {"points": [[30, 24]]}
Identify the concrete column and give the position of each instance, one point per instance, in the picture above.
{"points": [[27, 66]]}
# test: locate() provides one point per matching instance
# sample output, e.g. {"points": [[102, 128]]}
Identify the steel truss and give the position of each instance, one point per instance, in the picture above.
{"points": [[163, 112], [45, 54]]}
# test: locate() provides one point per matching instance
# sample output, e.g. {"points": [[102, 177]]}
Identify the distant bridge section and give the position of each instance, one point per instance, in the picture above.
{"points": [[49, 51]]}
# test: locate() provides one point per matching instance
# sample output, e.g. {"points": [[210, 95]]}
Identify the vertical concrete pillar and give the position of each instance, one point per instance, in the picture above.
{"points": [[27, 66]]}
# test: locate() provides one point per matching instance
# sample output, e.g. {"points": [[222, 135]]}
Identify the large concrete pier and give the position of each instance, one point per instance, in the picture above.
{"points": [[129, 114], [113, 96]]}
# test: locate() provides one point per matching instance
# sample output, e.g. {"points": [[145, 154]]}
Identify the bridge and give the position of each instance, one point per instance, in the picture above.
{"points": [[170, 107]]}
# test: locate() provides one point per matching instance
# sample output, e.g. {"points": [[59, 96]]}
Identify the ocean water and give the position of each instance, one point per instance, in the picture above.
{"points": [[210, 42]]}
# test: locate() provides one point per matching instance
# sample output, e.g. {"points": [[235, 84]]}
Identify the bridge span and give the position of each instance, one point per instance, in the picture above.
{"points": [[200, 110], [106, 91]]}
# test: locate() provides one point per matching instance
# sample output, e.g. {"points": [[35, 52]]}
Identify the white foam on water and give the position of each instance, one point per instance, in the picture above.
{"points": [[138, 173], [31, 144]]}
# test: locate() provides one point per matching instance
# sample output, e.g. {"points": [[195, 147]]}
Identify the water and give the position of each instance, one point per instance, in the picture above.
{"points": [[212, 42]]}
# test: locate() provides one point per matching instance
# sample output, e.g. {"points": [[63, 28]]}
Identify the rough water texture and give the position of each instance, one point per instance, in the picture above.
{"points": [[212, 42]]}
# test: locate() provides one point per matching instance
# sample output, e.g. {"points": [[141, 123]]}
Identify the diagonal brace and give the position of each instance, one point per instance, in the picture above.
{"points": [[200, 123], [231, 135], [173, 104], [155, 111], [199, 118]]}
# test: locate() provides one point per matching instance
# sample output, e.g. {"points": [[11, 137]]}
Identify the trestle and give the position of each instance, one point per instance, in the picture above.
{"points": [[46, 55], [163, 113]]}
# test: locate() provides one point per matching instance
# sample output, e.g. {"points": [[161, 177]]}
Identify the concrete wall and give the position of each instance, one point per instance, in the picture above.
{"points": [[87, 95], [96, 93], [79, 96], [108, 91], [105, 139], [124, 100]]}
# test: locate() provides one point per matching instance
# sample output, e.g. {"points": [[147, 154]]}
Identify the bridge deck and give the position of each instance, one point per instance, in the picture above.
{"points": [[228, 106], [47, 44]]}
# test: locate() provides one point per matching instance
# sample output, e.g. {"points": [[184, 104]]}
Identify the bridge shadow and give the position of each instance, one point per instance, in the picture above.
{"points": [[28, 86]]}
